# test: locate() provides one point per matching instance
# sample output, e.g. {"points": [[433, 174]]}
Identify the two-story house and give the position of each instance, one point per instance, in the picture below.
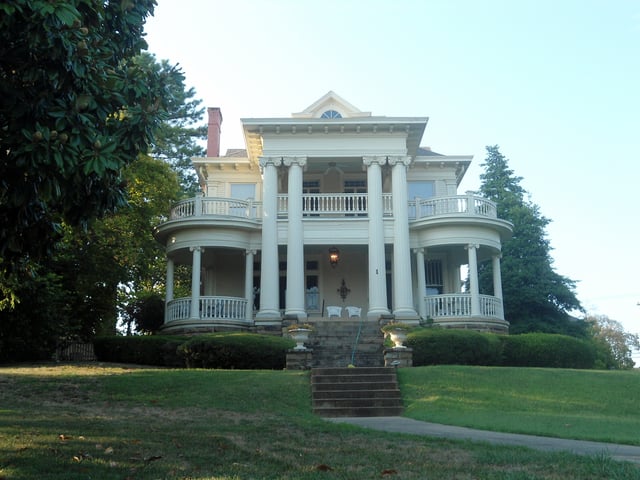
{"points": [[331, 212]]}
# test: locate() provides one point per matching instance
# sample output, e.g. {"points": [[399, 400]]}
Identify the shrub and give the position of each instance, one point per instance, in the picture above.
{"points": [[435, 346], [159, 350], [547, 350], [236, 351]]}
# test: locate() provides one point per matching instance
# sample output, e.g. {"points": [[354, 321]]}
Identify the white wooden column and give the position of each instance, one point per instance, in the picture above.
{"points": [[196, 265], [497, 276], [377, 268], [168, 287], [422, 283], [497, 281], [295, 239], [473, 279], [402, 292], [269, 281], [248, 283]]}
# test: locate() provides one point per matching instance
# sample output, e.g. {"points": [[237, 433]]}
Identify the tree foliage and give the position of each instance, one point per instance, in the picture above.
{"points": [[536, 297], [76, 107], [619, 343], [176, 138]]}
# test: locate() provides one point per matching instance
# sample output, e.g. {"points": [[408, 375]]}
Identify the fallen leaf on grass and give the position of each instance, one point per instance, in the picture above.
{"points": [[389, 471], [323, 468], [80, 457], [108, 450], [63, 438], [152, 458]]}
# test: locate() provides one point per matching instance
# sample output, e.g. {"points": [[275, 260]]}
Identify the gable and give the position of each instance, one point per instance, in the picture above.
{"points": [[331, 106]]}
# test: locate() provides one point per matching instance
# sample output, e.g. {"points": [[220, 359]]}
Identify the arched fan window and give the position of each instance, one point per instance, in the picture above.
{"points": [[331, 114]]}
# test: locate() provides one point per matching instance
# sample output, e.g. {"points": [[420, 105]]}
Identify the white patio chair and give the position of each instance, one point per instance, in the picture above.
{"points": [[334, 312], [353, 311]]}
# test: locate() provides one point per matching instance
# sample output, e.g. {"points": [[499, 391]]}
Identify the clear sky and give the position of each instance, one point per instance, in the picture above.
{"points": [[556, 84]]}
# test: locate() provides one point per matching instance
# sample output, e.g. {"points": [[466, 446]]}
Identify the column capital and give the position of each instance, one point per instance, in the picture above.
{"points": [[288, 161], [473, 246], [250, 251], [196, 248], [275, 161], [377, 159], [418, 250], [400, 160]]}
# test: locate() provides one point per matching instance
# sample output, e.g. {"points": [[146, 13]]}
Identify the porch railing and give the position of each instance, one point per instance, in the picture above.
{"points": [[459, 305], [211, 308]]}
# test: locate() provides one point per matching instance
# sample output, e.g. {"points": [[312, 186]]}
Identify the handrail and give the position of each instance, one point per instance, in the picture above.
{"points": [[355, 345]]}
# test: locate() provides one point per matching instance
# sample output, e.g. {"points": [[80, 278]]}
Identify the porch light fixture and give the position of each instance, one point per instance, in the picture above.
{"points": [[334, 256]]}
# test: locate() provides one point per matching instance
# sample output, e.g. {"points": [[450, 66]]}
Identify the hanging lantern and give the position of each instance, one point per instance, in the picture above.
{"points": [[334, 256]]}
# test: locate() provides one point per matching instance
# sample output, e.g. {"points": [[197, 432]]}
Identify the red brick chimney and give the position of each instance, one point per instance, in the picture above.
{"points": [[213, 132]]}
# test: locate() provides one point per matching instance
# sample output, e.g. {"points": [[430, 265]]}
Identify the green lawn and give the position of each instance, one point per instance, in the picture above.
{"points": [[110, 422], [581, 404]]}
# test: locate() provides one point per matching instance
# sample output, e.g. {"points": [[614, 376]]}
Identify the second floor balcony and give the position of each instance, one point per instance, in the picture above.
{"points": [[334, 205]]}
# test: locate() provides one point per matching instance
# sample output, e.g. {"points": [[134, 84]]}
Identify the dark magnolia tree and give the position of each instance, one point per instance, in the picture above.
{"points": [[536, 297], [76, 107], [80, 290], [619, 344]]}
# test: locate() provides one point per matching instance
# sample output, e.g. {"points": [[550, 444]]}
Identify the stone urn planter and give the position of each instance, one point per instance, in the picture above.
{"points": [[300, 336], [398, 336], [397, 332]]}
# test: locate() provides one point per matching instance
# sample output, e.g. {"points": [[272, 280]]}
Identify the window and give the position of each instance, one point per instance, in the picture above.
{"points": [[433, 272], [243, 191], [331, 114], [419, 189], [356, 203]]}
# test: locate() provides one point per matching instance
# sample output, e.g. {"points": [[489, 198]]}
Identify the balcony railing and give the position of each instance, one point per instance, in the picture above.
{"points": [[453, 205], [228, 207], [459, 305], [211, 308], [334, 205]]}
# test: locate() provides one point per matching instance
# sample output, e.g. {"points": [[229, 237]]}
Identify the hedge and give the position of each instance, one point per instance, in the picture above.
{"points": [[436, 346], [236, 350], [547, 350], [219, 350], [159, 350]]}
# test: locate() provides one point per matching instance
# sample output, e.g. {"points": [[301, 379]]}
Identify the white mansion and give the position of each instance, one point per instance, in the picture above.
{"points": [[331, 212]]}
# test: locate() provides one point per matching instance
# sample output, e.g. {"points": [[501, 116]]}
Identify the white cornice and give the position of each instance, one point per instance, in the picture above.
{"points": [[256, 128]]}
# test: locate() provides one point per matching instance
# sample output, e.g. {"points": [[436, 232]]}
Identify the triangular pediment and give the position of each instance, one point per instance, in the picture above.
{"points": [[331, 105]]}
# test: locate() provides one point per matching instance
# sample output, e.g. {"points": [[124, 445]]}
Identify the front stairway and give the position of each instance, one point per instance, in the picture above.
{"points": [[355, 392], [340, 343]]}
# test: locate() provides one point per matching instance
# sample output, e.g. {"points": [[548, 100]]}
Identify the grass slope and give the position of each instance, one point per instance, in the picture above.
{"points": [[578, 404], [109, 422]]}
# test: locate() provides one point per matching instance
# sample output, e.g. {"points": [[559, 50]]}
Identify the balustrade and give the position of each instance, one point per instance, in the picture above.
{"points": [[334, 204], [459, 305], [211, 308], [454, 205]]}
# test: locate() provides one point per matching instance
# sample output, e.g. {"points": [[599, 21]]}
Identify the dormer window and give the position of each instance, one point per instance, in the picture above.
{"points": [[330, 114]]}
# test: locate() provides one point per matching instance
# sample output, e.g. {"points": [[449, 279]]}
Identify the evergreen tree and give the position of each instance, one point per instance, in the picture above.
{"points": [[536, 297], [177, 138]]}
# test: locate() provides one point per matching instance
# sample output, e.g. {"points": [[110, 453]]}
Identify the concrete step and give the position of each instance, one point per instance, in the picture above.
{"points": [[333, 342], [339, 392]]}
